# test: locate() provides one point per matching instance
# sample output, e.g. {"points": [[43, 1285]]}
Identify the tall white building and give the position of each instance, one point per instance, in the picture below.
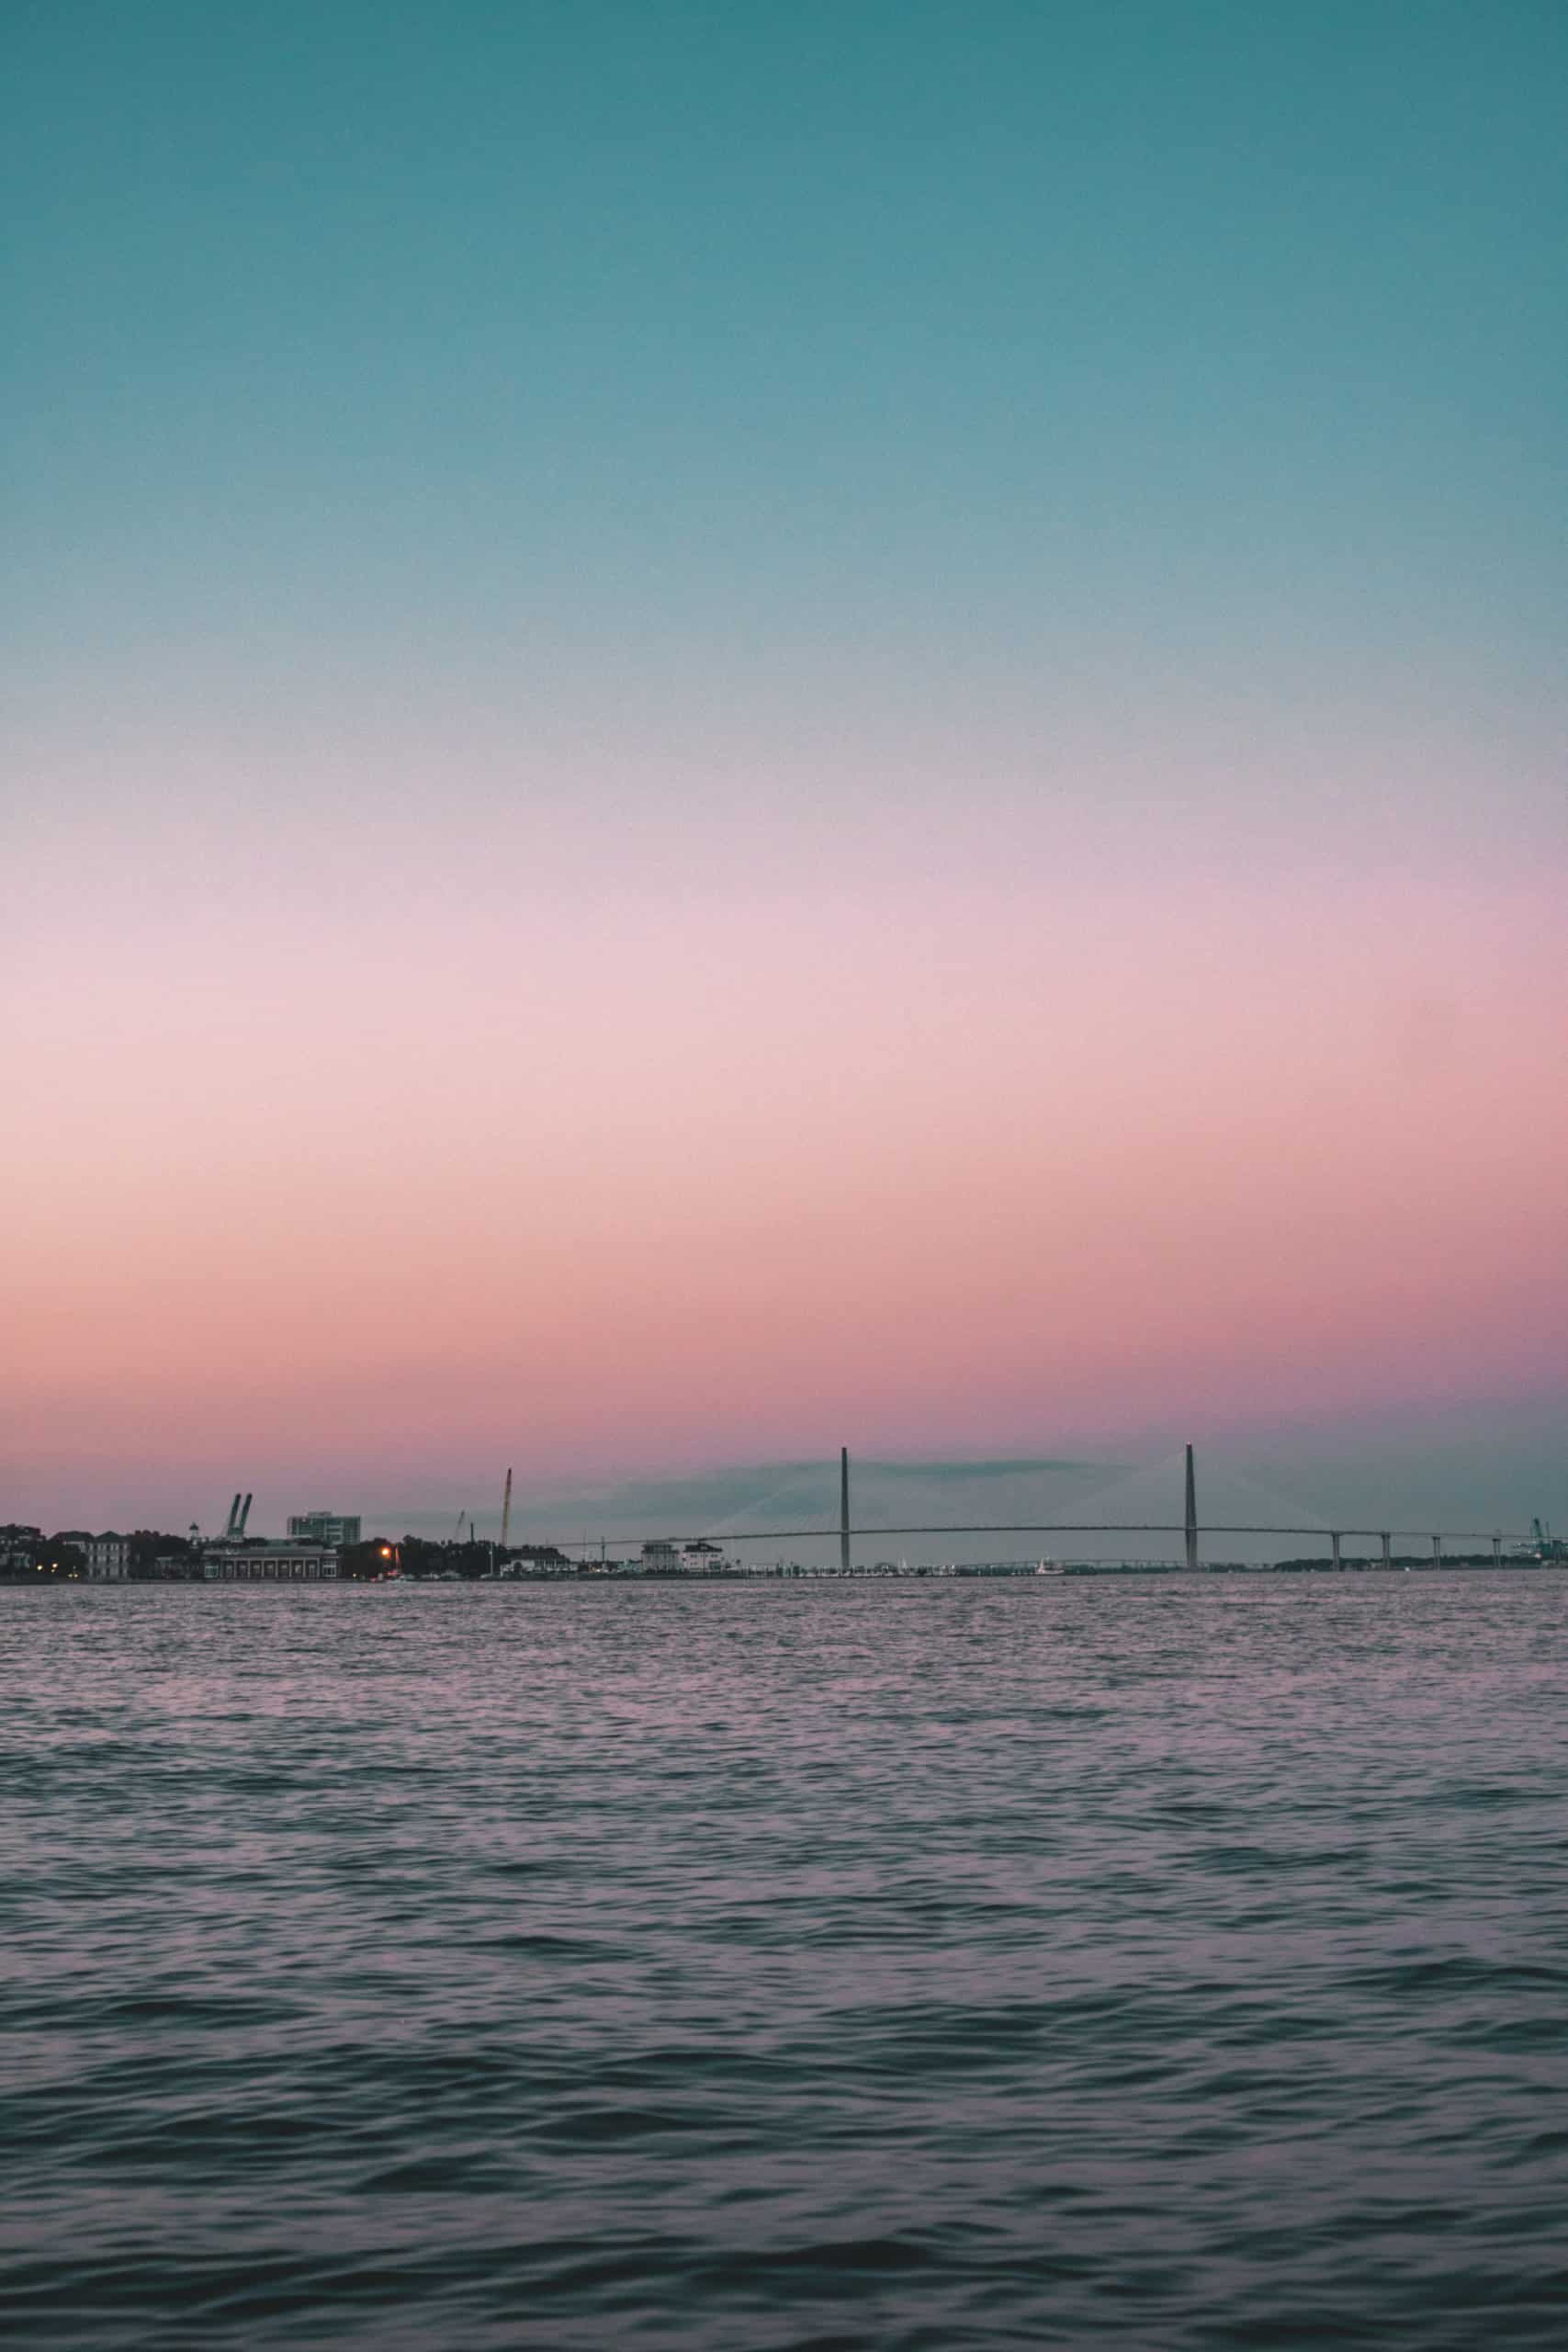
{"points": [[324, 1527]]}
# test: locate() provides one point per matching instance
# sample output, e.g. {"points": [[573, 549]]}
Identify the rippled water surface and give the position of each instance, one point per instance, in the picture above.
{"points": [[927, 1965]]}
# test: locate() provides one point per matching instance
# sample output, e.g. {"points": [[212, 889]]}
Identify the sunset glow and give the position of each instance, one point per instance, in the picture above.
{"points": [[631, 872]]}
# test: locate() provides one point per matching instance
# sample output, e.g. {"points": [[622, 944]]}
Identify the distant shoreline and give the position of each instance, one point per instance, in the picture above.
{"points": [[1028, 1573]]}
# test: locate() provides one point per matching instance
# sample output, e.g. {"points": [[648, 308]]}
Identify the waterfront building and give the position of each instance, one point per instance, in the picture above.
{"points": [[662, 1558], [702, 1558], [19, 1548], [269, 1563], [108, 1557], [324, 1527]]}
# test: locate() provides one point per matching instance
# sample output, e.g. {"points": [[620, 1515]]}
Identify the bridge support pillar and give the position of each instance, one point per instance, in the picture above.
{"points": [[1387, 1552], [1437, 1551], [1339, 1563], [1191, 1513], [844, 1509], [1496, 1551]]}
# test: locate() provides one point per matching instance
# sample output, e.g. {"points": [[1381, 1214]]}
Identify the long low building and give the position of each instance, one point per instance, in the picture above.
{"points": [[269, 1563]]}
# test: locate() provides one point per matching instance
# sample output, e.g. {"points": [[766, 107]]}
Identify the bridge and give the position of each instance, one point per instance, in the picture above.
{"points": [[1441, 1541]]}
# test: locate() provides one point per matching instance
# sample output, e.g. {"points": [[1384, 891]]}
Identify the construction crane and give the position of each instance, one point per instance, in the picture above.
{"points": [[506, 1512]]}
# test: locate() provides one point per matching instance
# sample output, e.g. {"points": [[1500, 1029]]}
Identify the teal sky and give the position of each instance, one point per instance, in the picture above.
{"points": [[729, 728], [1215, 339]]}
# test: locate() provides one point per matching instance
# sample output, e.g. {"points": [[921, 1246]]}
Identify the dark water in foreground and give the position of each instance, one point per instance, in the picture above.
{"points": [[916, 1966]]}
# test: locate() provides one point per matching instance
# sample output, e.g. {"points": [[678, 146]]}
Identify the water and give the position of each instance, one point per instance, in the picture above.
{"points": [[917, 1966]]}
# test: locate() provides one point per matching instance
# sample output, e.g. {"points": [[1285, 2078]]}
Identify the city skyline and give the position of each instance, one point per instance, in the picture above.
{"points": [[1480, 1480]]}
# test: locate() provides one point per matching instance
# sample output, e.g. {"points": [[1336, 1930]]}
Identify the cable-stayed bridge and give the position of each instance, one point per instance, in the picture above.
{"points": [[907, 1501]]}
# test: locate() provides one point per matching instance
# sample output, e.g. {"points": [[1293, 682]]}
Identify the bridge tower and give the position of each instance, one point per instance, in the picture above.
{"points": [[1191, 1513], [844, 1509]]}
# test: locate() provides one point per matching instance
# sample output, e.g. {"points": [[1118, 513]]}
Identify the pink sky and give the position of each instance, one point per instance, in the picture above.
{"points": [[1034, 1128]]}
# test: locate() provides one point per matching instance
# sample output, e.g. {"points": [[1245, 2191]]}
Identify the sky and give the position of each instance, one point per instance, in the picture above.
{"points": [[733, 728]]}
